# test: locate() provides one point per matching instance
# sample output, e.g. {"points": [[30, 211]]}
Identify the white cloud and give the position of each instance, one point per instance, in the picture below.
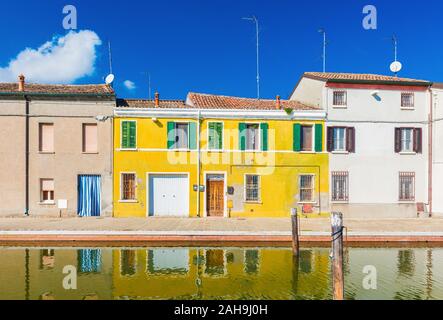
{"points": [[129, 85], [64, 59]]}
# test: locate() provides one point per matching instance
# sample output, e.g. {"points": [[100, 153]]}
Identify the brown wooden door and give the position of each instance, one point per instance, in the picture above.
{"points": [[215, 201]]}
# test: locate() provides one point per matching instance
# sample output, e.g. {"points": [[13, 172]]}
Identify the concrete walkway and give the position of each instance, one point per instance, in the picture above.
{"points": [[214, 229]]}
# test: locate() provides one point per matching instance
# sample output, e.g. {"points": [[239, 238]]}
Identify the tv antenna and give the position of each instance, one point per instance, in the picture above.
{"points": [[148, 74], [395, 66], [255, 20], [110, 77], [323, 31]]}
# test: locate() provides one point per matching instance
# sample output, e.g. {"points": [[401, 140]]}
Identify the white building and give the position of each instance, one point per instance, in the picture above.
{"points": [[378, 142], [437, 149]]}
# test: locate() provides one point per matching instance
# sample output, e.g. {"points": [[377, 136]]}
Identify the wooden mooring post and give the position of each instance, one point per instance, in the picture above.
{"points": [[295, 235], [337, 256]]}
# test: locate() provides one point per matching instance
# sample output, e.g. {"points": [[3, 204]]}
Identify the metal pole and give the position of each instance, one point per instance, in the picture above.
{"points": [[337, 256], [324, 51], [198, 162], [258, 57], [257, 30], [295, 235]]}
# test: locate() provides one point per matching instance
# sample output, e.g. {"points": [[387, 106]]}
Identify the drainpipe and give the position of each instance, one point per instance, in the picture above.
{"points": [[198, 163], [27, 101], [430, 160]]}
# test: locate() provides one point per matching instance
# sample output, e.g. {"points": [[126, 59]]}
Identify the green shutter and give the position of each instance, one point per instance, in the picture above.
{"points": [[219, 130], [318, 138], [171, 135], [242, 136], [297, 137], [192, 136], [125, 135], [211, 136], [264, 136], [132, 135]]}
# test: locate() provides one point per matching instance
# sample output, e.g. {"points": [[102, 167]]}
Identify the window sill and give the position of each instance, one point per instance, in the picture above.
{"points": [[128, 201], [52, 203], [407, 153], [46, 152], [340, 201], [340, 152], [253, 202], [308, 202], [129, 149], [407, 108], [90, 153], [339, 107]]}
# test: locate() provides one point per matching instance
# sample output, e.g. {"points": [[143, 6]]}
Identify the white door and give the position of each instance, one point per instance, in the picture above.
{"points": [[168, 195]]}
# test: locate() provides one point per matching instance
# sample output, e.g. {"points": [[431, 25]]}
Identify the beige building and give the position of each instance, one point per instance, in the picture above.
{"points": [[56, 155]]}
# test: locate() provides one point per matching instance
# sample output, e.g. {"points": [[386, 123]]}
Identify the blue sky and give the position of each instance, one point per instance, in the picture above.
{"points": [[204, 46]]}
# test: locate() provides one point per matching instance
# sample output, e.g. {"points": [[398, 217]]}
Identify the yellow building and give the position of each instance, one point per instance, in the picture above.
{"points": [[219, 156]]}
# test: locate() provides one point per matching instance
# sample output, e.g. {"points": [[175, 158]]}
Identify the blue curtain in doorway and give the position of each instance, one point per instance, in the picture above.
{"points": [[89, 196]]}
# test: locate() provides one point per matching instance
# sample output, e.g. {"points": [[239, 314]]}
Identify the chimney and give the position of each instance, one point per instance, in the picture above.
{"points": [[21, 83], [157, 100], [278, 103]]}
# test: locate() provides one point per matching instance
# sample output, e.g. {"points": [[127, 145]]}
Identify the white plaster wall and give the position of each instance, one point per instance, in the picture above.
{"points": [[437, 174], [309, 91], [374, 167]]}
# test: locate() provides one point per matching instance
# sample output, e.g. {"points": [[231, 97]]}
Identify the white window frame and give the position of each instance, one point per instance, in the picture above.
{"points": [[345, 105], [176, 123], [259, 137], [403, 140], [413, 100], [49, 201], [312, 201], [121, 135], [408, 175], [258, 191], [333, 175], [312, 139], [222, 137], [122, 186], [344, 139]]}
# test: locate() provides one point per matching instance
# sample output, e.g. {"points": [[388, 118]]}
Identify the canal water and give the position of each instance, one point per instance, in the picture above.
{"points": [[217, 273]]}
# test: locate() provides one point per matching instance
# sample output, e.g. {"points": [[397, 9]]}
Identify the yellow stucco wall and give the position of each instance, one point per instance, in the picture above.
{"points": [[279, 168]]}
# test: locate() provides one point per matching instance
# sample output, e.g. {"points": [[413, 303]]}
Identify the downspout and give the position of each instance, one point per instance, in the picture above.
{"points": [[27, 101], [430, 160], [198, 163]]}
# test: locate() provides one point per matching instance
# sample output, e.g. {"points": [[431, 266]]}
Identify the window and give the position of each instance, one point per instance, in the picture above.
{"points": [[181, 136], [252, 188], [306, 188], [408, 140], [128, 186], [340, 98], [252, 137], [306, 138], [90, 137], [407, 100], [341, 139], [340, 183], [47, 191], [46, 133], [128, 262], [129, 135], [407, 186], [215, 136]]}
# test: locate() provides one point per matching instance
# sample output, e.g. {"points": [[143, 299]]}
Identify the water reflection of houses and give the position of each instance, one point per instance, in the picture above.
{"points": [[207, 273], [37, 274]]}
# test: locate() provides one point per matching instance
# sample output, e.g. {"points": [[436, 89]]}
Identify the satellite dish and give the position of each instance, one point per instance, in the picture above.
{"points": [[110, 79], [396, 66]]}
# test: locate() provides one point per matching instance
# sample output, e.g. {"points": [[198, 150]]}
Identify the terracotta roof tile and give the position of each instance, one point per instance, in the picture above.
{"points": [[150, 104], [207, 101], [57, 89], [328, 76]]}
